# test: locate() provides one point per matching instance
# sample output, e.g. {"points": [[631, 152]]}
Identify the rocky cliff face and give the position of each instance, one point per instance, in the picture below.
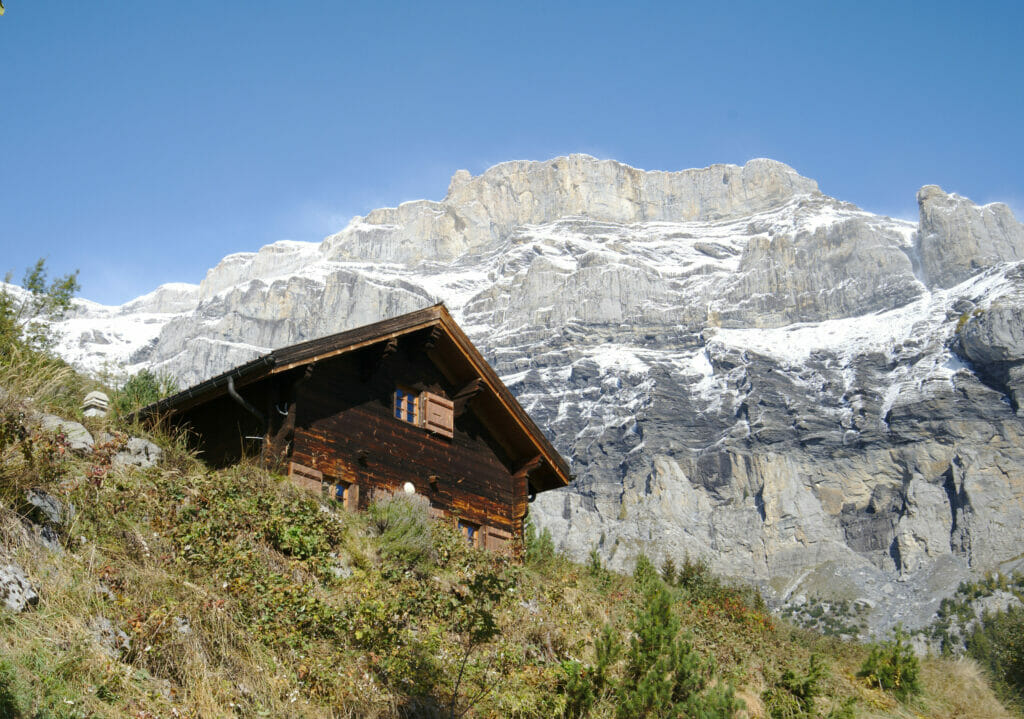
{"points": [[806, 395]]}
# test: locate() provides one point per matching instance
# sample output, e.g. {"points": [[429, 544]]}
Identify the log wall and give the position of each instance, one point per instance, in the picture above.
{"points": [[346, 428]]}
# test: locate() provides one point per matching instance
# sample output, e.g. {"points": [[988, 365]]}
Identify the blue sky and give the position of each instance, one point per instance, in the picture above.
{"points": [[140, 142]]}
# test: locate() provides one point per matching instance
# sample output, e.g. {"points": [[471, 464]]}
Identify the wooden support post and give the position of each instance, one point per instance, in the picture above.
{"points": [[278, 444], [524, 471], [430, 341], [466, 394]]}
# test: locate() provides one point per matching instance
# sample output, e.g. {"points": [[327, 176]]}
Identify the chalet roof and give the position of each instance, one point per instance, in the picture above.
{"points": [[458, 347]]}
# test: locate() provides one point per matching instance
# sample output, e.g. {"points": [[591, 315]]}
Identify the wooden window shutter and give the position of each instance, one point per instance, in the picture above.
{"points": [[438, 414], [498, 540], [305, 477]]}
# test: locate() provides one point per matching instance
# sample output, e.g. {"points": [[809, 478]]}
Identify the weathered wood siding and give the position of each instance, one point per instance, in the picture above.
{"points": [[346, 428], [219, 429]]}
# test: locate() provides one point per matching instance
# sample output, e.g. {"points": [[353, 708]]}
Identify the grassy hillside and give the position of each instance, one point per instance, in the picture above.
{"points": [[239, 595]]}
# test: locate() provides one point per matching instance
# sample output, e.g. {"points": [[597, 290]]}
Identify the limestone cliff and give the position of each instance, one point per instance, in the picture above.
{"points": [[807, 395]]}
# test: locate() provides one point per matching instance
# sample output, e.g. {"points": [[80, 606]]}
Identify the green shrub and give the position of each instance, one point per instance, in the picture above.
{"points": [[645, 575], [669, 573], [893, 667], [660, 675], [997, 643], [143, 389], [405, 527], [584, 685], [793, 695], [664, 675], [540, 548]]}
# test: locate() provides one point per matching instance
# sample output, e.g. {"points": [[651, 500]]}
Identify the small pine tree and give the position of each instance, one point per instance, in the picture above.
{"points": [[664, 675], [645, 575], [540, 548], [794, 694], [586, 685], [997, 643], [893, 667], [142, 389], [668, 571]]}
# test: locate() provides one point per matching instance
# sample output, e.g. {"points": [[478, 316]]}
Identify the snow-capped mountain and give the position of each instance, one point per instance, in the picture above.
{"points": [[740, 368]]}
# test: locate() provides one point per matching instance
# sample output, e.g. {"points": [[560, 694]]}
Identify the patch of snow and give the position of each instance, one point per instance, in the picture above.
{"points": [[621, 357]]}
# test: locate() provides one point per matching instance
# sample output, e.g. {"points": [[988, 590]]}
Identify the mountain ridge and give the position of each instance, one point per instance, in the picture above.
{"points": [[739, 367]]}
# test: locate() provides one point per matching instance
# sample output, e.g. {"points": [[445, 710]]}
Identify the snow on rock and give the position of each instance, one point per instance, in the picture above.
{"points": [[738, 367]]}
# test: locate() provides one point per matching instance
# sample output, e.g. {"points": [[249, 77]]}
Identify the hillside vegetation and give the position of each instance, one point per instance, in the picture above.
{"points": [[178, 591]]}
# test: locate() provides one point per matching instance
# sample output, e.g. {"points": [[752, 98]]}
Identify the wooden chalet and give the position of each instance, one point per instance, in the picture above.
{"points": [[407, 404]]}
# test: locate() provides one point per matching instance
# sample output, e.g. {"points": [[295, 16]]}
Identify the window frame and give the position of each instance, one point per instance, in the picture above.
{"points": [[404, 399], [470, 531]]}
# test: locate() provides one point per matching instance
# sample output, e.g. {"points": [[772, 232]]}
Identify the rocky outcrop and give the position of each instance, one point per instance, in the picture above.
{"points": [[804, 394], [957, 238], [44, 508], [992, 340], [111, 640], [487, 208]]}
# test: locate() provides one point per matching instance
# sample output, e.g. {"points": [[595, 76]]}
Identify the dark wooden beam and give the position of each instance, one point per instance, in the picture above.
{"points": [[465, 395], [430, 338], [530, 465], [277, 444]]}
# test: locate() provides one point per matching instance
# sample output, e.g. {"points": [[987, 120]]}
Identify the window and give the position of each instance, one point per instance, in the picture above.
{"points": [[407, 406], [425, 409], [470, 531], [341, 492], [347, 493]]}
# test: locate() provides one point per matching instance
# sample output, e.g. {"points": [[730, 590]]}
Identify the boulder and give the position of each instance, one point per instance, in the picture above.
{"points": [[16, 592], [77, 437], [138, 452]]}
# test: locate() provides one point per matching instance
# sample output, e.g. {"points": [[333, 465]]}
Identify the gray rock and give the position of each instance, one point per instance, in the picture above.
{"points": [[992, 339], [182, 625], [45, 517], [138, 452], [16, 592], [47, 537], [481, 209], [112, 640], [78, 438], [47, 508]]}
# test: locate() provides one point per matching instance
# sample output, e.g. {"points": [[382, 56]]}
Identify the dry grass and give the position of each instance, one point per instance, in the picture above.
{"points": [[957, 689], [45, 383]]}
